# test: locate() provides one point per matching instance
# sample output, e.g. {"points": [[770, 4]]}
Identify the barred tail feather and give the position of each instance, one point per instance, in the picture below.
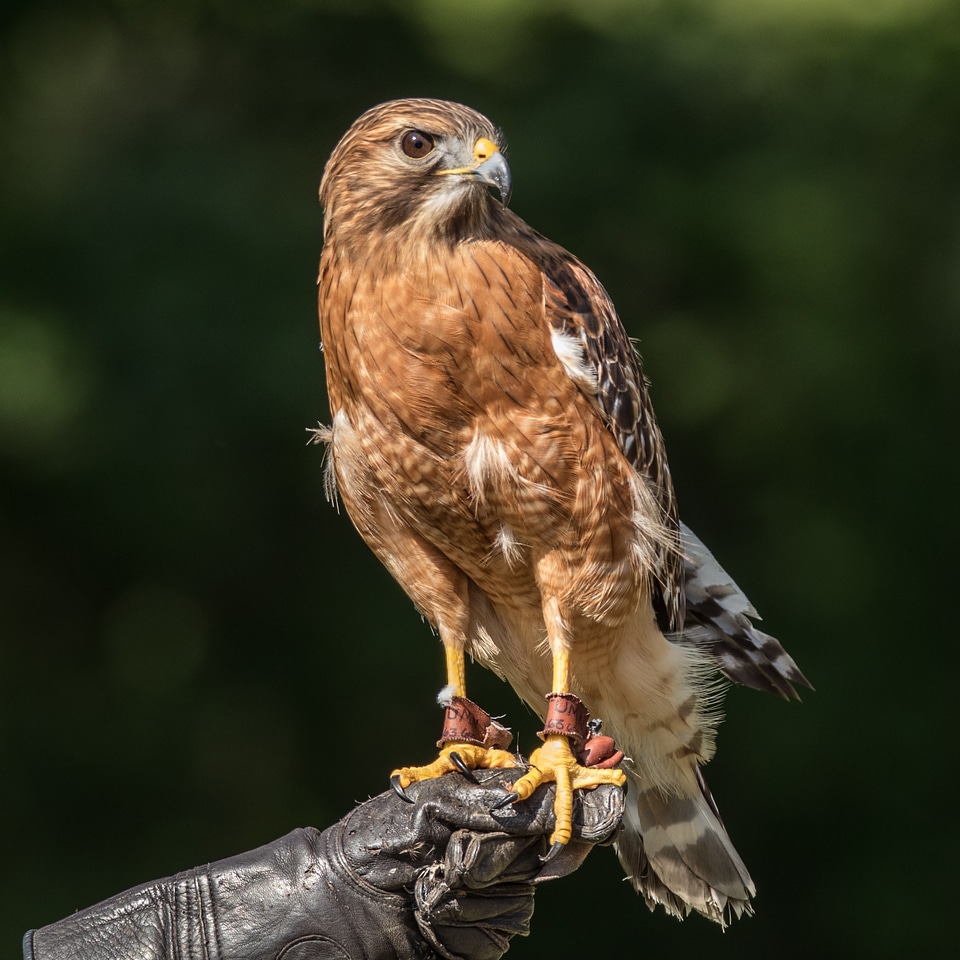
{"points": [[676, 853], [719, 619]]}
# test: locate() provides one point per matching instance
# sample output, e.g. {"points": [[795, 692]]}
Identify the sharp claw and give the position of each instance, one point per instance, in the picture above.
{"points": [[553, 852], [398, 790], [511, 797], [457, 761]]}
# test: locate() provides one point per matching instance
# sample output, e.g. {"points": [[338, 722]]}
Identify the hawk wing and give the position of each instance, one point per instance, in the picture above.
{"points": [[719, 617], [694, 598], [582, 316]]}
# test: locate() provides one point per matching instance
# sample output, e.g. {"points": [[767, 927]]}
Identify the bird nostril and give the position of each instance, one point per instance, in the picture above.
{"points": [[484, 149]]}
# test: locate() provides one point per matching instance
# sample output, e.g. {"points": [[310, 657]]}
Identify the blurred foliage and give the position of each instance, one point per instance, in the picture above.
{"points": [[198, 654]]}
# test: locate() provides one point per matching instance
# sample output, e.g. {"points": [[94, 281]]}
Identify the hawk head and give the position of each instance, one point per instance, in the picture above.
{"points": [[418, 166]]}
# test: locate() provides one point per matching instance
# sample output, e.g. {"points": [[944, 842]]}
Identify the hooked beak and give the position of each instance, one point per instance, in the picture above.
{"points": [[492, 167], [496, 172], [489, 167]]}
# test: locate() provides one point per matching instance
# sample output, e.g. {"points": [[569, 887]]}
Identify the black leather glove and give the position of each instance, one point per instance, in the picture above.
{"points": [[444, 876]]}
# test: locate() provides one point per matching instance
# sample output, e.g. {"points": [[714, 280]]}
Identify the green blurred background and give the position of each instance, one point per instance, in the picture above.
{"points": [[198, 654]]}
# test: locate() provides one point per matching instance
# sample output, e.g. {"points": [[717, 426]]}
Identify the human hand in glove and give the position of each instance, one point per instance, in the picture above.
{"points": [[444, 876]]}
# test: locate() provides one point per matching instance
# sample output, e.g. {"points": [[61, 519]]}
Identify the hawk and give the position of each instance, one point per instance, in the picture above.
{"points": [[494, 444]]}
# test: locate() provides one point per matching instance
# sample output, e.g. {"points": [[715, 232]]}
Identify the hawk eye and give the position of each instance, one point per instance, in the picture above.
{"points": [[416, 145]]}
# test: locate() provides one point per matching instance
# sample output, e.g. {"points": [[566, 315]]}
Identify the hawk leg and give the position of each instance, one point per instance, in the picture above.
{"points": [[564, 734], [471, 738]]}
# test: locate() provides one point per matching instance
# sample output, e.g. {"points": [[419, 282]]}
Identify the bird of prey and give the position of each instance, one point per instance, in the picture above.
{"points": [[494, 444]]}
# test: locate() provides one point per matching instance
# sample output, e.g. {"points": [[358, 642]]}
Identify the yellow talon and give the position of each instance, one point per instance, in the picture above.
{"points": [[554, 761], [562, 807], [472, 756]]}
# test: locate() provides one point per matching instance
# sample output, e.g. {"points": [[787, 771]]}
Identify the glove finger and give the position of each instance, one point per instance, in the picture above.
{"points": [[477, 860], [452, 799]]}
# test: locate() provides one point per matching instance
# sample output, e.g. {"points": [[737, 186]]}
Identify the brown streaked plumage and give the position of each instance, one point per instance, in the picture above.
{"points": [[494, 443]]}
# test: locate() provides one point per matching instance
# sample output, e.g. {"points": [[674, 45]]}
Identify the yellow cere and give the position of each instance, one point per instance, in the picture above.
{"points": [[484, 149]]}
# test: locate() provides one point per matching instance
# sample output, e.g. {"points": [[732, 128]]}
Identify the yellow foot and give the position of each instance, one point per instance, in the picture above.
{"points": [[471, 740], [555, 762], [454, 755]]}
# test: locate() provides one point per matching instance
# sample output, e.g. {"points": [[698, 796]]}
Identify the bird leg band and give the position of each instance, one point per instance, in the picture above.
{"points": [[600, 752], [566, 715], [466, 722]]}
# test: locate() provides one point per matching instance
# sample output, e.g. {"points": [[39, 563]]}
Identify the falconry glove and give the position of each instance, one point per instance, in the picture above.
{"points": [[445, 875]]}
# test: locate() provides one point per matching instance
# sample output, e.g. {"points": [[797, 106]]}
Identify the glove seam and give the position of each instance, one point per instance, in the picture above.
{"points": [[207, 894], [28, 945]]}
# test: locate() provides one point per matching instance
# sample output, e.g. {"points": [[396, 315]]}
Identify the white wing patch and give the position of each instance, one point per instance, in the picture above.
{"points": [[573, 358]]}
